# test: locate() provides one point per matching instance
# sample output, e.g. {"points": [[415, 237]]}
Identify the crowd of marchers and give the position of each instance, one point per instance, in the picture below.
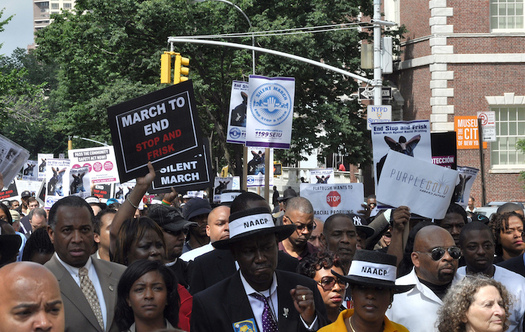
{"points": [[247, 265]]}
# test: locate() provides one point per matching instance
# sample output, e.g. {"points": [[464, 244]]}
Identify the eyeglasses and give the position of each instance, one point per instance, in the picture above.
{"points": [[328, 283], [438, 253], [300, 227]]}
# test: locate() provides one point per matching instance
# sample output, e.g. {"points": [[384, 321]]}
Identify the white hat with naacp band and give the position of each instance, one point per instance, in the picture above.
{"points": [[250, 223], [374, 269]]}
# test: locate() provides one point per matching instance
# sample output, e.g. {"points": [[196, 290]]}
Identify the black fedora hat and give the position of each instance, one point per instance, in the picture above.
{"points": [[253, 222], [374, 269]]}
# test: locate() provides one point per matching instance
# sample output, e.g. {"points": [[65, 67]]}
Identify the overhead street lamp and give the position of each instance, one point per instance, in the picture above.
{"points": [[247, 19], [70, 142]]}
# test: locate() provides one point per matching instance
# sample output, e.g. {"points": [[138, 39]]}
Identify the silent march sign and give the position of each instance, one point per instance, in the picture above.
{"points": [[157, 127]]}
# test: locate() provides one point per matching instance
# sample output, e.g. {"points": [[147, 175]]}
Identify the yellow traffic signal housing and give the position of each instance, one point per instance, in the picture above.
{"points": [[165, 67], [180, 70]]}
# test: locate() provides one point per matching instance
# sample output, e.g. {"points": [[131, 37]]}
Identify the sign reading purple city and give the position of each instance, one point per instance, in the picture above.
{"points": [[156, 127], [270, 112]]}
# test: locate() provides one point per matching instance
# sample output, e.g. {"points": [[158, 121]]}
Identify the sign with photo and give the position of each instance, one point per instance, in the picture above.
{"points": [[30, 171], [325, 175], [237, 118], [411, 138], [466, 178], [155, 127], [328, 199], [270, 112], [79, 182], [100, 161], [57, 185], [42, 161]]}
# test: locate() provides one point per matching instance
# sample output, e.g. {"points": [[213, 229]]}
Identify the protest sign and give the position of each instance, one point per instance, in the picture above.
{"points": [[191, 170], [411, 138], [256, 167], [270, 112], [322, 175], [237, 118], [10, 191], [101, 163], [79, 182], [29, 171], [328, 199], [101, 190], [219, 185], [425, 188], [466, 178], [42, 158], [12, 158], [154, 127], [444, 152], [56, 171]]}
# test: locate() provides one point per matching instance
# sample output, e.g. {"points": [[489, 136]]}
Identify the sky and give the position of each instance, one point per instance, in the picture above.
{"points": [[19, 31]]}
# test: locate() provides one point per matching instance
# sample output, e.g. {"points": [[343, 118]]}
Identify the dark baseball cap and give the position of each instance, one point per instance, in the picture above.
{"points": [[25, 193], [195, 207], [169, 218]]}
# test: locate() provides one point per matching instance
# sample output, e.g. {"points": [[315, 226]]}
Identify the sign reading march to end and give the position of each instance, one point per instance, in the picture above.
{"points": [[154, 127]]}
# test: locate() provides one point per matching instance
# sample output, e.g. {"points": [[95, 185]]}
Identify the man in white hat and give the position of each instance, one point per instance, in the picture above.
{"points": [[258, 297]]}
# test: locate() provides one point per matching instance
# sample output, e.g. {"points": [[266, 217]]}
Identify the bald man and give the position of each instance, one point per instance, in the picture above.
{"points": [[435, 258], [31, 299], [216, 228]]}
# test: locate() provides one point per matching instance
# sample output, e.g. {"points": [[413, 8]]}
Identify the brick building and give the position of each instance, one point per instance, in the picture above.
{"points": [[460, 57]]}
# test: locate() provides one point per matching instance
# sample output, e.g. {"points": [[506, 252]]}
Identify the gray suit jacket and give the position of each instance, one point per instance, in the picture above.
{"points": [[79, 316]]}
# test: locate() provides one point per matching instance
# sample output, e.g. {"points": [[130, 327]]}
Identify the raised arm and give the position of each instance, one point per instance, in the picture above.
{"points": [[128, 208]]}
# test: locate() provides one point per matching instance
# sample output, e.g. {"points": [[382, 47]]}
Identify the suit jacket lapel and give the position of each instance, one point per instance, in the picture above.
{"points": [[288, 316], [238, 306], [70, 289], [225, 264], [109, 286]]}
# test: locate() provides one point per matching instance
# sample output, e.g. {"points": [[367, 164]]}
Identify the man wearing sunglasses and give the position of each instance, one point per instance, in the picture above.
{"points": [[435, 258], [299, 212]]}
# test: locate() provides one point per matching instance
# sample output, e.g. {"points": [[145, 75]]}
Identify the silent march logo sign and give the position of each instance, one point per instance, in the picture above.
{"points": [[161, 127]]}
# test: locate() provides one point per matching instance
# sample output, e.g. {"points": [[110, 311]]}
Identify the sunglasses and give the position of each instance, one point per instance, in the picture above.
{"points": [[438, 253], [300, 227], [328, 283]]}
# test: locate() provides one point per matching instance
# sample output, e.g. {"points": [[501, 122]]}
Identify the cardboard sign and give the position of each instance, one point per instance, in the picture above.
{"points": [[425, 188], [155, 127], [467, 132], [79, 182], [328, 199], [189, 171], [11, 191]]}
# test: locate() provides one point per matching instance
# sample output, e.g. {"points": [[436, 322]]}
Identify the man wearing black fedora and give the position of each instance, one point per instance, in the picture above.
{"points": [[258, 297]]}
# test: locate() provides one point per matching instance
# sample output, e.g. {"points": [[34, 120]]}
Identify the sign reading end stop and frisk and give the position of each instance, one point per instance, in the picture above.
{"points": [[153, 127], [333, 198]]}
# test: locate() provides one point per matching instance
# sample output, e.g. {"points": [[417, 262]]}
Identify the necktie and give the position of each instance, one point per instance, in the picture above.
{"points": [[91, 295], [269, 324]]}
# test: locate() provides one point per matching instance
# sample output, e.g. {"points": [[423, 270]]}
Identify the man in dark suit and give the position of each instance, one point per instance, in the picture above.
{"points": [[217, 265], [71, 231], [258, 296]]}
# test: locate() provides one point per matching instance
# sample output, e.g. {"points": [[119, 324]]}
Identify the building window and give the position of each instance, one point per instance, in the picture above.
{"points": [[510, 127], [506, 15], [54, 6], [67, 5]]}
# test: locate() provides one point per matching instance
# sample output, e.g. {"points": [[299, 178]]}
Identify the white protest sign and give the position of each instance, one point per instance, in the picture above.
{"points": [[270, 112], [237, 118], [325, 175], [422, 186], [56, 171], [328, 199], [100, 161]]}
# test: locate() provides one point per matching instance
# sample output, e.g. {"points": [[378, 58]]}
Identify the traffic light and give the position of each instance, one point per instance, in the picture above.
{"points": [[165, 67], [180, 70]]}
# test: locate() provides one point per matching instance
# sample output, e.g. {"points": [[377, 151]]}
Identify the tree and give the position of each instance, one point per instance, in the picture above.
{"points": [[109, 51]]}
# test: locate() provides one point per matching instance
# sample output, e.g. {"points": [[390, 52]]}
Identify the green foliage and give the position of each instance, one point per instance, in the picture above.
{"points": [[106, 52]]}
